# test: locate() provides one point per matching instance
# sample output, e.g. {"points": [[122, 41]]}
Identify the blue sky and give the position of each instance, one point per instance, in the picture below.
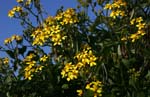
{"points": [[9, 26]]}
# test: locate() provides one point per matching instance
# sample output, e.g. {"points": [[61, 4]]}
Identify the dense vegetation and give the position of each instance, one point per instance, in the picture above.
{"points": [[101, 48]]}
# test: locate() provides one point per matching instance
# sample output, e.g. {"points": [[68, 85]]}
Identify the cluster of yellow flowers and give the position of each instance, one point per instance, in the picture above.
{"points": [[70, 71], [14, 37], [17, 9], [53, 28], [84, 59], [96, 87], [67, 17], [140, 26], [32, 67], [116, 8]]}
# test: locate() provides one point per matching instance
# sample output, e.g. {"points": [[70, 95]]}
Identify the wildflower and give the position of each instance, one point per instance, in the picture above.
{"points": [[12, 38], [17, 9], [6, 60], [124, 39], [31, 67], [115, 8], [39, 68], [132, 21], [84, 59], [140, 26], [44, 58], [113, 14], [19, 1], [69, 17], [141, 32], [96, 87], [7, 41], [70, 71], [11, 13], [108, 6], [80, 92], [139, 20], [28, 2], [134, 37]]}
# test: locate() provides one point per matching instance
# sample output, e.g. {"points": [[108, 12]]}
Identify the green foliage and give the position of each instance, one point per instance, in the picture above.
{"points": [[122, 66]]}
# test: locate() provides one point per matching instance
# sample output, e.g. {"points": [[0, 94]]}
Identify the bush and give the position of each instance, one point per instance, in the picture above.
{"points": [[99, 49]]}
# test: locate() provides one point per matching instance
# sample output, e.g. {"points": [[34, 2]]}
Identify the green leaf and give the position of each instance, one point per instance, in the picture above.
{"points": [[132, 83], [8, 79], [89, 93], [141, 94], [10, 53], [148, 75], [65, 86]]}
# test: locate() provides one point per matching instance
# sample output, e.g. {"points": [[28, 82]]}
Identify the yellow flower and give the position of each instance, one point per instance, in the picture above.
{"points": [[7, 41], [19, 1], [32, 63], [116, 5], [6, 60], [96, 87], [59, 16], [113, 14], [69, 17], [39, 68], [122, 13], [134, 37], [17, 9], [141, 32], [139, 20], [87, 86], [28, 75], [141, 26], [14, 37], [80, 92], [31, 67], [108, 6], [70, 71], [115, 8], [124, 39], [72, 75], [132, 21], [44, 58], [28, 2], [63, 73], [11, 13], [84, 58], [99, 90]]}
